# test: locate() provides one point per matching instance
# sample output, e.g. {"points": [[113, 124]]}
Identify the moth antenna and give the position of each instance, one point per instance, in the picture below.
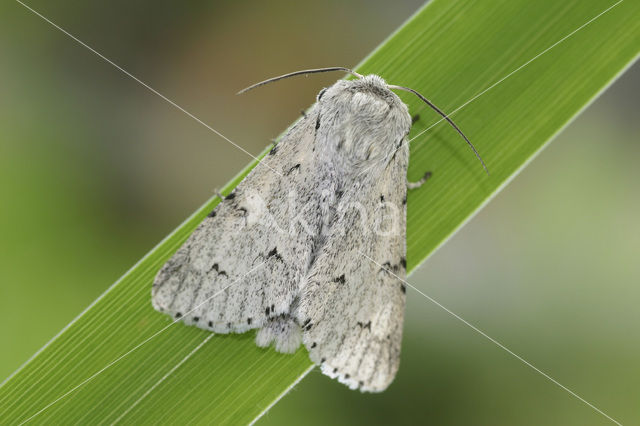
{"points": [[302, 72], [439, 111]]}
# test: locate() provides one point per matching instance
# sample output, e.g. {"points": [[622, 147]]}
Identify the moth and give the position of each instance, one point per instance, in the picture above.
{"points": [[310, 247]]}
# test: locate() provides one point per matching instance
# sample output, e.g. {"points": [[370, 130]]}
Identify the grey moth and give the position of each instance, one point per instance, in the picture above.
{"points": [[310, 247]]}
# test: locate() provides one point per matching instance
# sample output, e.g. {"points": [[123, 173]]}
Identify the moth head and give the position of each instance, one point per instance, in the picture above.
{"points": [[372, 85]]}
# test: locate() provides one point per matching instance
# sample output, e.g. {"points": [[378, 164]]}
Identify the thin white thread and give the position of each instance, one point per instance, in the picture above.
{"points": [[91, 334], [169, 373], [500, 345], [255, 158], [145, 84], [517, 69], [94, 375], [238, 377], [282, 394], [223, 393]]}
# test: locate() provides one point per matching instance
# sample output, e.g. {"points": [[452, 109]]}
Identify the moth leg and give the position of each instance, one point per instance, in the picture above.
{"points": [[304, 114], [418, 184], [219, 194], [415, 119]]}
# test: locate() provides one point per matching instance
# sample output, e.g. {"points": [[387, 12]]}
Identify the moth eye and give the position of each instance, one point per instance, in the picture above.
{"points": [[321, 93]]}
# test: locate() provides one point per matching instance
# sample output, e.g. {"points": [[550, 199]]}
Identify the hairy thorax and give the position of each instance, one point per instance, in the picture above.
{"points": [[361, 123]]}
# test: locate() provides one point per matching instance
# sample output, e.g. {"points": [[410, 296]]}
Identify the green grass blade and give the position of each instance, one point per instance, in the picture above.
{"points": [[450, 51]]}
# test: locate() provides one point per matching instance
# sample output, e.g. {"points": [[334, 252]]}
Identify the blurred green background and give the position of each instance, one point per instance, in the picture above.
{"points": [[95, 170]]}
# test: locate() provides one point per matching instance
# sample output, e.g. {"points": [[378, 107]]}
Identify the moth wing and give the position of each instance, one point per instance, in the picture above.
{"points": [[241, 268], [351, 310]]}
